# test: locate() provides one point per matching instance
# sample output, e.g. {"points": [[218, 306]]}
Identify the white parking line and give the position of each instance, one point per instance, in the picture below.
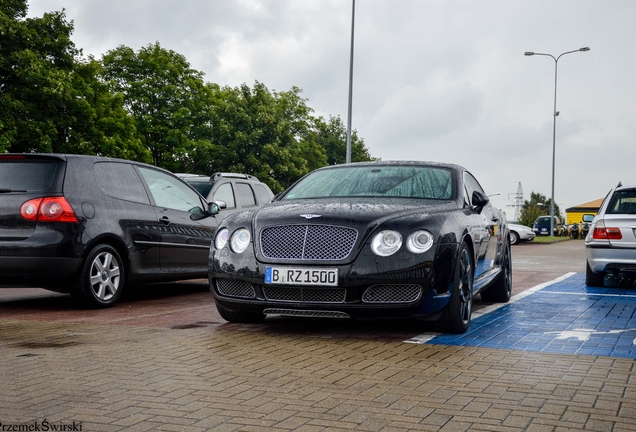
{"points": [[425, 337], [592, 294]]}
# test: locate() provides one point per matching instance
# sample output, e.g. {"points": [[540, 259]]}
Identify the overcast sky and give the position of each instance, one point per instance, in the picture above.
{"points": [[443, 80]]}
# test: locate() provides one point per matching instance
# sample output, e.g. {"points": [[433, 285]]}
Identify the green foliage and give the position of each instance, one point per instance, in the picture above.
{"points": [[166, 98], [332, 136], [264, 133], [50, 99], [538, 205], [150, 105], [273, 135]]}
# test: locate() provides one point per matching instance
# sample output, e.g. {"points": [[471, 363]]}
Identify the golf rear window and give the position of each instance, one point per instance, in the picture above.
{"points": [[24, 175]]}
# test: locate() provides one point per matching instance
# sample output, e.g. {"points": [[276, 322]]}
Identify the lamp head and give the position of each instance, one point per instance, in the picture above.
{"points": [[585, 49], [530, 53]]}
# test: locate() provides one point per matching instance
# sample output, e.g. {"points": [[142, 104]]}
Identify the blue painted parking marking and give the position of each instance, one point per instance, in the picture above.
{"points": [[563, 316]]}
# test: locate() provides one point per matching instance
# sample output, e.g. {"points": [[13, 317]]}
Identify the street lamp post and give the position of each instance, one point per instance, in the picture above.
{"points": [[555, 114], [353, 20]]}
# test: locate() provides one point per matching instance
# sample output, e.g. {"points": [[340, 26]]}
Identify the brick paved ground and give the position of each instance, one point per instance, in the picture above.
{"points": [[180, 369]]}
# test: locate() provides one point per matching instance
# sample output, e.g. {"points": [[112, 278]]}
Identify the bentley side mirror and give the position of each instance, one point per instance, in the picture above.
{"points": [[479, 200]]}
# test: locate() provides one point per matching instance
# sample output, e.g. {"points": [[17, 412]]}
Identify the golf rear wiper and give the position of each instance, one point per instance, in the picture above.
{"points": [[3, 190]]}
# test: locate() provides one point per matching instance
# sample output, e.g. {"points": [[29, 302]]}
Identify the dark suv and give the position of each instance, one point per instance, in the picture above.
{"points": [[234, 192], [90, 225], [542, 226]]}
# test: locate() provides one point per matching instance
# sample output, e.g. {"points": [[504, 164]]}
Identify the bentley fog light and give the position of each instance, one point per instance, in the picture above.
{"points": [[240, 240], [386, 243], [419, 241]]}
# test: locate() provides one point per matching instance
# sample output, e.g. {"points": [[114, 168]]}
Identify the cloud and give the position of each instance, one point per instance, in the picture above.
{"points": [[433, 79]]}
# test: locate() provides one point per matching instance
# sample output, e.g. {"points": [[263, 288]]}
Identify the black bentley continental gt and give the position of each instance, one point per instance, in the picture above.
{"points": [[373, 239]]}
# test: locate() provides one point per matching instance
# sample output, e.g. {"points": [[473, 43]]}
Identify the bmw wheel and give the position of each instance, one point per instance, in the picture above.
{"points": [[593, 279], [456, 316], [101, 279]]}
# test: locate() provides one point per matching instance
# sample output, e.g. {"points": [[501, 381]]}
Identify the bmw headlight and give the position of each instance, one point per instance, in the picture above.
{"points": [[419, 241], [386, 243], [240, 240], [221, 238]]}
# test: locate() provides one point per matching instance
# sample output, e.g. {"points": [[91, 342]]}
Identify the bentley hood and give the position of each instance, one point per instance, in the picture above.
{"points": [[363, 215]]}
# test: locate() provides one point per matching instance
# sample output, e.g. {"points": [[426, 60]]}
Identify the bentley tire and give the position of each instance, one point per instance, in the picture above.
{"points": [[501, 290], [456, 316]]}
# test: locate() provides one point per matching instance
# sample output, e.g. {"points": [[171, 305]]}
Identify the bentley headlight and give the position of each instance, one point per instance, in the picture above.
{"points": [[221, 238], [240, 240], [386, 243], [419, 241]]}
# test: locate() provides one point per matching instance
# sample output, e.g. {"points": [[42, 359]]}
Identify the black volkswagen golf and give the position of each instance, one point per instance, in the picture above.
{"points": [[90, 225]]}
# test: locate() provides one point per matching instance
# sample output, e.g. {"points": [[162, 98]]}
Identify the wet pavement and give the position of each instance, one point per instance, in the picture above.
{"points": [[559, 357], [564, 316]]}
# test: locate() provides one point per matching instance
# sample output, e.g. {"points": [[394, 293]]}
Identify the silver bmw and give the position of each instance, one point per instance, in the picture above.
{"points": [[611, 242]]}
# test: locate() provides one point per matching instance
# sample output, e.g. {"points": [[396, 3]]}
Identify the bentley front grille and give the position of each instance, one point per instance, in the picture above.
{"points": [[235, 288], [392, 294], [301, 294], [305, 313], [307, 242]]}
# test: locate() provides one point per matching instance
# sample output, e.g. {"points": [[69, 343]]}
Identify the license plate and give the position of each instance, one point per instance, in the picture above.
{"points": [[301, 276]]}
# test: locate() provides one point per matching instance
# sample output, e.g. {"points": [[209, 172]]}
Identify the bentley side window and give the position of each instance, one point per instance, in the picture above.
{"points": [[472, 185]]}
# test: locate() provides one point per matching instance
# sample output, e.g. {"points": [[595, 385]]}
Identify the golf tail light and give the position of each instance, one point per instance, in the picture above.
{"points": [[50, 209]]}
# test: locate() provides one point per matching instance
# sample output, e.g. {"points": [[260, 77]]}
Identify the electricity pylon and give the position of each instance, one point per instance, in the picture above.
{"points": [[518, 198]]}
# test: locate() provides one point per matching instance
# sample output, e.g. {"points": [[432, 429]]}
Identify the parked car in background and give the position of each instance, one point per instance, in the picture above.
{"points": [[373, 239], [234, 192], [542, 226], [610, 244], [519, 233], [90, 225]]}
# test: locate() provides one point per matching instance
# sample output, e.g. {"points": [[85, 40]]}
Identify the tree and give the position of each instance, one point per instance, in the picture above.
{"points": [[150, 105], [538, 205], [264, 133], [332, 135], [50, 99], [167, 98]]}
